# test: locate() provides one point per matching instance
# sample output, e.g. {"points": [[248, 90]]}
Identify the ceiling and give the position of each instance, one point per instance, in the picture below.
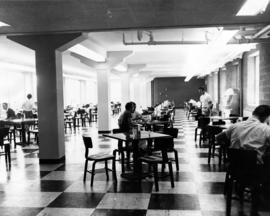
{"points": [[184, 21], [44, 16]]}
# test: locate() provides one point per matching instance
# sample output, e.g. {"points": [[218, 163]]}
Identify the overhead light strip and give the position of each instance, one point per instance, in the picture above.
{"points": [[253, 7]]}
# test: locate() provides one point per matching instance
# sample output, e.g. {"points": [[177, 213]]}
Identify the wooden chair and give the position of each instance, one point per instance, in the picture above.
{"points": [[213, 144], [101, 157], [173, 132], [243, 170], [202, 125], [3, 134], [122, 150], [33, 129], [154, 160]]}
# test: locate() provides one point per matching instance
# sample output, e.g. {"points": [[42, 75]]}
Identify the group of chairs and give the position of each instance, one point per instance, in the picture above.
{"points": [[242, 171], [156, 153]]}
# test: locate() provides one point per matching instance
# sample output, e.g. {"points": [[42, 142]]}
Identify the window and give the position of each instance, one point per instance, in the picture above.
{"points": [[253, 79]]}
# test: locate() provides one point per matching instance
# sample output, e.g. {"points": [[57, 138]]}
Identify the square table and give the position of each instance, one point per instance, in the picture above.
{"points": [[126, 137]]}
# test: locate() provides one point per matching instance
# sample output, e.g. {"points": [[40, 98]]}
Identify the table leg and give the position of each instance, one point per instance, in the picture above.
{"points": [[23, 133]]}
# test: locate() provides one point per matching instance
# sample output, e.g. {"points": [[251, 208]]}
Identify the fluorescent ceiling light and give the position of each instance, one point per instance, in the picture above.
{"points": [[121, 68], [2, 24], [253, 7], [84, 51]]}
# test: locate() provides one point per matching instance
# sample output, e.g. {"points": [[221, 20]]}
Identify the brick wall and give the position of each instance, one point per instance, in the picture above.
{"points": [[264, 73], [230, 77]]}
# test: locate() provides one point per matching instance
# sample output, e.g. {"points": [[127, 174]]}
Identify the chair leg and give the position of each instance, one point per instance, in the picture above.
{"points": [[200, 139], [196, 131], [176, 159], [85, 170], [209, 152], [229, 197], [171, 174], [93, 173], [156, 176], [28, 137], [123, 161], [14, 138], [106, 170], [114, 170]]}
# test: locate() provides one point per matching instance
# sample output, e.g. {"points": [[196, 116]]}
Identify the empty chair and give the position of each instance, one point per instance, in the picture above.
{"points": [[3, 134], [213, 144], [33, 130], [101, 157], [169, 145], [153, 161], [202, 125], [122, 149]]}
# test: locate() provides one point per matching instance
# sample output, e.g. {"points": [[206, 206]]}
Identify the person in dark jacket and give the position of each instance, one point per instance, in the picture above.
{"points": [[10, 112]]}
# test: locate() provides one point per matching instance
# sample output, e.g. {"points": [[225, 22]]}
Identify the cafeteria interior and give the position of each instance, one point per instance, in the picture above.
{"points": [[135, 122]]}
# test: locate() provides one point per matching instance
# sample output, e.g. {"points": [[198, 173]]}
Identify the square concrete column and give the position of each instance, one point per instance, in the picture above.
{"points": [[125, 89], [48, 50], [104, 109]]}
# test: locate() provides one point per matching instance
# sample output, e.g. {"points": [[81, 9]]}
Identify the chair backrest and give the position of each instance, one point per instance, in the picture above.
{"points": [[171, 131], [166, 143], [3, 133], [87, 144], [117, 130], [243, 164], [203, 122]]}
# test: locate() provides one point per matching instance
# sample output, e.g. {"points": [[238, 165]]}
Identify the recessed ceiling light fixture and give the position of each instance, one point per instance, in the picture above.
{"points": [[253, 7], [2, 24]]}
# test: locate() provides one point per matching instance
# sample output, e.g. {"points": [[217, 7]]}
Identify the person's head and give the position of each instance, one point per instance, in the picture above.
{"points": [[262, 113], [5, 106], [29, 96], [201, 90], [133, 106], [129, 106]]}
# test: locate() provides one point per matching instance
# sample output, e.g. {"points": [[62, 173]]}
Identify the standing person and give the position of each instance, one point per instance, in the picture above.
{"points": [[205, 100], [28, 106], [10, 112]]}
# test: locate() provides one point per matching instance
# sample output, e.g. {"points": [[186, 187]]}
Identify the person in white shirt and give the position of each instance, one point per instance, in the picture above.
{"points": [[253, 134], [28, 107], [205, 100]]}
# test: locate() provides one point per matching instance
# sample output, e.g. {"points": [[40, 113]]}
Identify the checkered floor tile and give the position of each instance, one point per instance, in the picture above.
{"points": [[30, 189]]}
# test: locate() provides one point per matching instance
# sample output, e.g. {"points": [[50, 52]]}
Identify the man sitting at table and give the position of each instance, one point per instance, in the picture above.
{"points": [[10, 112], [124, 121], [253, 134]]}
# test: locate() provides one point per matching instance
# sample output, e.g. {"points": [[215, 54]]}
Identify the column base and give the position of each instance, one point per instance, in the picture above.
{"points": [[52, 161]]}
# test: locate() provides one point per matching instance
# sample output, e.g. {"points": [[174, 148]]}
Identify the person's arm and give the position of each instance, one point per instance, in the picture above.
{"points": [[222, 137]]}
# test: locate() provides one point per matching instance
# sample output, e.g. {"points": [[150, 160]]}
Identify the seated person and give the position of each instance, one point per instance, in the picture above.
{"points": [[135, 115], [252, 134], [10, 112], [124, 121]]}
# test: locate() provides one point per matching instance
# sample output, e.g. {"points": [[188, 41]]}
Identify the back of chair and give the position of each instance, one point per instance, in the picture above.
{"points": [[203, 122], [87, 144], [117, 130], [166, 143], [243, 164], [171, 131], [3, 133]]}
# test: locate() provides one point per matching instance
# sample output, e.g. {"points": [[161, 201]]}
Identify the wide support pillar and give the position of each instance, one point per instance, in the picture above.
{"points": [[103, 84], [48, 50]]}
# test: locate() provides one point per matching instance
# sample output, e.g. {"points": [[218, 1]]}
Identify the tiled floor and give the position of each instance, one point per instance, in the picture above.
{"points": [[57, 189]]}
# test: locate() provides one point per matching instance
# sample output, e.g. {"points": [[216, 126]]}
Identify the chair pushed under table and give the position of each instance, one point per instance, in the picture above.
{"points": [[100, 157]]}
